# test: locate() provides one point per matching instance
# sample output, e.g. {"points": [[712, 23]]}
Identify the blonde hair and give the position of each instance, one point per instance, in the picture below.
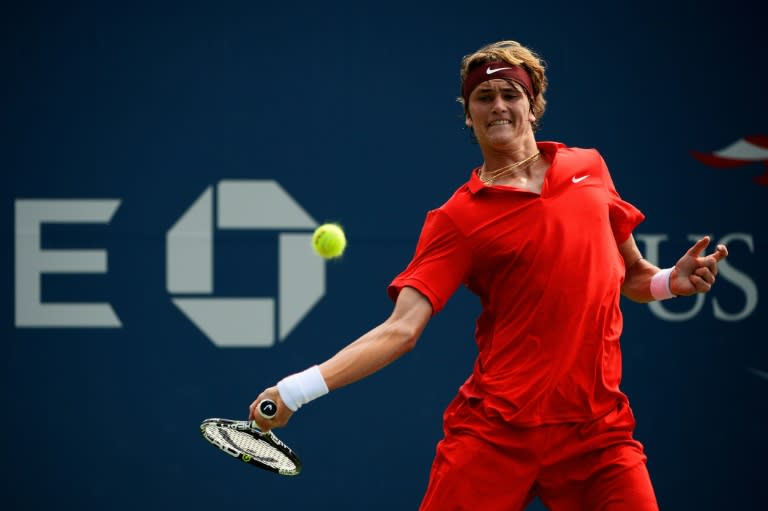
{"points": [[516, 54]]}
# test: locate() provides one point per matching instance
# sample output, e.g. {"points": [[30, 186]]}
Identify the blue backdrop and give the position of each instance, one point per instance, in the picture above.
{"points": [[350, 107]]}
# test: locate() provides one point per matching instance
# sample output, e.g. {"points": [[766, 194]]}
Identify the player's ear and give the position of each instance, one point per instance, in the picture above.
{"points": [[531, 115], [468, 120]]}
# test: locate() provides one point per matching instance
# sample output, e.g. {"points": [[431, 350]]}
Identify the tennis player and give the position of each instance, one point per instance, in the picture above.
{"points": [[541, 235]]}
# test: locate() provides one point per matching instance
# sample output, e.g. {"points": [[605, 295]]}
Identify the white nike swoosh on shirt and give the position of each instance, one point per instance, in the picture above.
{"points": [[579, 179], [490, 71]]}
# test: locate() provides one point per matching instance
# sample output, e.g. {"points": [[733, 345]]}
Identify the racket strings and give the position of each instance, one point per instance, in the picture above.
{"points": [[258, 449]]}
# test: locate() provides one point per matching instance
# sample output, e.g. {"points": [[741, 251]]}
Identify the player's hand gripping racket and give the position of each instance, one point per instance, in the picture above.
{"points": [[245, 441]]}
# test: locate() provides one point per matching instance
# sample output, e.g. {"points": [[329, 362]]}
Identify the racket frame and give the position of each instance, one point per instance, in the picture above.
{"points": [[250, 428]]}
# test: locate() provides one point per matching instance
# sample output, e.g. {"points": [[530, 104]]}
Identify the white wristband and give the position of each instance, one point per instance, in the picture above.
{"points": [[660, 285], [301, 388]]}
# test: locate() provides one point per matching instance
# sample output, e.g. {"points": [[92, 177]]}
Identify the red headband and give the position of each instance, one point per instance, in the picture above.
{"points": [[493, 70]]}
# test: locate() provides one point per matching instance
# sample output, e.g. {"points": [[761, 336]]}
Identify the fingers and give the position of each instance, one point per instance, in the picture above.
{"points": [[253, 411], [255, 416], [279, 420], [701, 270], [264, 424], [700, 284], [698, 247], [710, 262], [721, 252], [703, 278], [706, 274]]}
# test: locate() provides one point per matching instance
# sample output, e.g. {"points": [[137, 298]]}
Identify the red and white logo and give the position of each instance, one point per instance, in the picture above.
{"points": [[747, 150]]}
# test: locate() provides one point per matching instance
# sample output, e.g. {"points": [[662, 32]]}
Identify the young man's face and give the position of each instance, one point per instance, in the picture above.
{"points": [[499, 113]]}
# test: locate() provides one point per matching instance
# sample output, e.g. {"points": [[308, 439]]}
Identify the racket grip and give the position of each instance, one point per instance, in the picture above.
{"points": [[267, 408]]}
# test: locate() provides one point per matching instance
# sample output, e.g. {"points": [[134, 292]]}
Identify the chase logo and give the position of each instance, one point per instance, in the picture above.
{"points": [[243, 322], [255, 321]]}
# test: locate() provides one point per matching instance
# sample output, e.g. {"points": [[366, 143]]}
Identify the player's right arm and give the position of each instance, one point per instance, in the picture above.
{"points": [[371, 352], [382, 345]]}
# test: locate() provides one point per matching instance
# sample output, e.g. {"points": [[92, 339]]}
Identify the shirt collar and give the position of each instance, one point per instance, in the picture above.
{"points": [[548, 149]]}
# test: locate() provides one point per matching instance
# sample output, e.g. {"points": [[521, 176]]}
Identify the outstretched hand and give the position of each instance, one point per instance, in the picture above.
{"points": [[694, 273]]}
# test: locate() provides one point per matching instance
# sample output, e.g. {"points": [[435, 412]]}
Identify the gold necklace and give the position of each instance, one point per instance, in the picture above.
{"points": [[503, 171]]}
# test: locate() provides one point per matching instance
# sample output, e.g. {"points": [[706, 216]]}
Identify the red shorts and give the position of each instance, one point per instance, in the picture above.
{"points": [[484, 463]]}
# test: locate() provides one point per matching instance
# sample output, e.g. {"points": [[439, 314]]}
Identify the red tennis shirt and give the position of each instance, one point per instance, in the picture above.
{"points": [[548, 273]]}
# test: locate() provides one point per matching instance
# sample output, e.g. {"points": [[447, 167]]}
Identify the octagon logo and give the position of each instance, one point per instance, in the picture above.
{"points": [[250, 321]]}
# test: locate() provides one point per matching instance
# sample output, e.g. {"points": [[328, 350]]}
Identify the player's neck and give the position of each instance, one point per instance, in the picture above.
{"points": [[499, 157]]}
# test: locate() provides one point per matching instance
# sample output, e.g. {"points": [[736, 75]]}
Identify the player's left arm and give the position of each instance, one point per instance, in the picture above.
{"points": [[693, 273]]}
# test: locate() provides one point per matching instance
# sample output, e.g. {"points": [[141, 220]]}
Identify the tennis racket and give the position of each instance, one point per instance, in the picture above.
{"points": [[245, 441]]}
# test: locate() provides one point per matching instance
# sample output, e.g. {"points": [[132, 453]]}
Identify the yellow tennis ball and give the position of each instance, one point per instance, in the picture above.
{"points": [[329, 241]]}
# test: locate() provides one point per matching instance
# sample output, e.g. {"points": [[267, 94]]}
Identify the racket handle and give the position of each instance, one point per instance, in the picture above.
{"points": [[267, 408]]}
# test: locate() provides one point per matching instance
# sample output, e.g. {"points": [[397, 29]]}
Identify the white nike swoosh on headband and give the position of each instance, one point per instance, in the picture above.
{"points": [[490, 71]]}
